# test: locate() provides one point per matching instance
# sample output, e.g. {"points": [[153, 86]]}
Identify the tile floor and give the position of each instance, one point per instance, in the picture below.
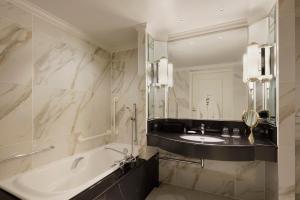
{"points": [[169, 192]]}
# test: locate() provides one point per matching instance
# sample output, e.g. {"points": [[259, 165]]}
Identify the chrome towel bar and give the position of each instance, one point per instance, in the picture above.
{"points": [[181, 160], [17, 156]]}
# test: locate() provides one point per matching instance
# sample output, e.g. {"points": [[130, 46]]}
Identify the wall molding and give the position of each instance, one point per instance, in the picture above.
{"points": [[232, 25], [58, 22]]}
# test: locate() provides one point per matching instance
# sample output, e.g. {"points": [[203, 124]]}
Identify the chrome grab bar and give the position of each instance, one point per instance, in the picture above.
{"points": [[27, 154]]}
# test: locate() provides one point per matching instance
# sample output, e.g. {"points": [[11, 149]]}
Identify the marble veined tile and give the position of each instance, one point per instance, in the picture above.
{"points": [[129, 88], [287, 97], [167, 172], [15, 14], [271, 181], [207, 179], [212, 179], [93, 71], [250, 181], [15, 53], [15, 113], [168, 192], [297, 150], [242, 180], [64, 62], [179, 95], [286, 171], [125, 55], [61, 143], [13, 167], [94, 114], [56, 65], [124, 70], [215, 182], [78, 147], [125, 112], [55, 111]]}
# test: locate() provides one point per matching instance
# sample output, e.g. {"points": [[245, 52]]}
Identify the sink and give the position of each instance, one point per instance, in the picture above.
{"points": [[201, 138]]}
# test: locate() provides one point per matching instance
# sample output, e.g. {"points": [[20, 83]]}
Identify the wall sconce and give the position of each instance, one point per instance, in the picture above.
{"points": [[251, 63], [258, 63], [161, 73], [267, 60]]}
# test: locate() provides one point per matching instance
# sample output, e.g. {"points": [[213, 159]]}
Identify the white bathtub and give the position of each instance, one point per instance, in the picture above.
{"points": [[58, 181]]}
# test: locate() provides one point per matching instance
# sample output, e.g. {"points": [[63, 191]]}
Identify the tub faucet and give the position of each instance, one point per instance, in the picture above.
{"points": [[76, 162], [124, 152], [202, 129], [128, 158]]}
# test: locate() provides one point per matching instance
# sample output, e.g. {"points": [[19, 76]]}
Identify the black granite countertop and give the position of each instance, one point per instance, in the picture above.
{"points": [[230, 142], [229, 150], [166, 133]]}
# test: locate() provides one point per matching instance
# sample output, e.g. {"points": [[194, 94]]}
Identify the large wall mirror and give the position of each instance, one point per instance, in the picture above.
{"points": [[207, 73]]}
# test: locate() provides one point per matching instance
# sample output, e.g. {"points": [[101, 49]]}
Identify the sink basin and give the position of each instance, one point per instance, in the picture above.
{"points": [[201, 138]]}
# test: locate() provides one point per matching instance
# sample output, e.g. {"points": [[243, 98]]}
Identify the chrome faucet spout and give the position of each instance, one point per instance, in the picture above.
{"points": [[76, 162], [124, 152]]}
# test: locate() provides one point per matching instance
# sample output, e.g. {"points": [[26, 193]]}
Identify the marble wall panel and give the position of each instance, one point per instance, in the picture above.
{"points": [[287, 97], [15, 87], [15, 14], [10, 168], [129, 88], [271, 181], [297, 168], [72, 89], [15, 114], [54, 111], [16, 42], [54, 87], [179, 103], [238, 180], [250, 181], [56, 55], [297, 133]]}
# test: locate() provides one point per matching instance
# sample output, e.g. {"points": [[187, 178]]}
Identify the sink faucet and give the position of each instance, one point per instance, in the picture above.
{"points": [[76, 162], [202, 129]]}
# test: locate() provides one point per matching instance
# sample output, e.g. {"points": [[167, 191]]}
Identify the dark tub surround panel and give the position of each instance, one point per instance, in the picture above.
{"points": [[133, 182], [7, 196], [165, 134]]}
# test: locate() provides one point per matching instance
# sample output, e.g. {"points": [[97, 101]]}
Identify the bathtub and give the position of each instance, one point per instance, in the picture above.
{"points": [[59, 181]]}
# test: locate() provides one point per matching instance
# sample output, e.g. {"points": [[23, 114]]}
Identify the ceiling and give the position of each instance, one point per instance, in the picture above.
{"points": [[221, 47], [112, 22]]}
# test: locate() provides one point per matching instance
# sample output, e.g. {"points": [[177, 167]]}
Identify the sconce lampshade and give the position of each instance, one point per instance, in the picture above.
{"points": [[160, 73], [257, 63], [163, 71], [253, 62], [170, 75], [245, 67]]}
